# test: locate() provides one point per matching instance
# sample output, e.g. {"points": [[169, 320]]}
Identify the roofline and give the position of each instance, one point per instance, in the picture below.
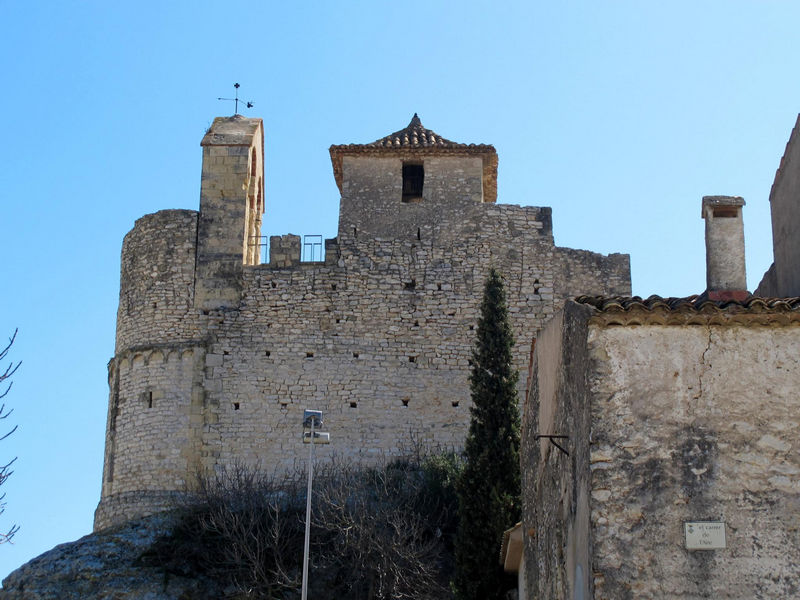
{"points": [[693, 310]]}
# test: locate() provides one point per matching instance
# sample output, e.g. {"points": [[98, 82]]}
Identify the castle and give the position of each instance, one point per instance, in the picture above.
{"points": [[218, 355]]}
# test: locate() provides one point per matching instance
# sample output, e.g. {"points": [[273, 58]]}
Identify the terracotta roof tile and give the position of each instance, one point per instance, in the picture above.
{"points": [[622, 310]]}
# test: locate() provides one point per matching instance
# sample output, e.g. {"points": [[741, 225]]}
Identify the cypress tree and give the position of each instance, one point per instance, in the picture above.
{"points": [[489, 486]]}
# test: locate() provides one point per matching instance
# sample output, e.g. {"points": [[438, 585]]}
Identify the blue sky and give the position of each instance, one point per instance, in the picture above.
{"points": [[620, 115]]}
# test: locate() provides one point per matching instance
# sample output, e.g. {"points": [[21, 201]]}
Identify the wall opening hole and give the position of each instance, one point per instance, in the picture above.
{"points": [[309, 355], [410, 285], [469, 362], [274, 285], [439, 286], [355, 232], [338, 320], [412, 359], [535, 281], [235, 406], [413, 181], [155, 305], [225, 353], [419, 233], [536, 291], [454, 403], [405, 401], [728, 212], [267, 353], [149, 399], [353, 404], [416, 323], [472, 327], [333, 286], [355, 354]]}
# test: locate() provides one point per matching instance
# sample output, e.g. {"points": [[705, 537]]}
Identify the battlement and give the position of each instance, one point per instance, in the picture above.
{"points": [[217, 356]]}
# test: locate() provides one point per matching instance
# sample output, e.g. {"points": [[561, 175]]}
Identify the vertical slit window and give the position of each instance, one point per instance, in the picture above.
{"points": [[413, 180]]}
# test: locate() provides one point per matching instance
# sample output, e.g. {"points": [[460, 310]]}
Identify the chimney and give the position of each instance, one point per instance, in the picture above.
{"points": [[725, 270]]}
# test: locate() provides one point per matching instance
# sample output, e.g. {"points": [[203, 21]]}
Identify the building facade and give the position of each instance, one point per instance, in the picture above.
{"points": [[217, 355]]}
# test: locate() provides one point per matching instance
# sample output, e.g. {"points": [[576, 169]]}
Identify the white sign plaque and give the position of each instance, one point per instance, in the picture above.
{"points": [[704, 535]]}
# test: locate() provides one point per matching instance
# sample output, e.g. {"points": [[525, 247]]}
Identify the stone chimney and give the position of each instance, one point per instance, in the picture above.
{"points": [[725, 269]]}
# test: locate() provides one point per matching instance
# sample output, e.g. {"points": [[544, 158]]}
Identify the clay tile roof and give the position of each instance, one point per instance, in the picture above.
{"points": [[415, 140], [416, 136], [623, 310]]}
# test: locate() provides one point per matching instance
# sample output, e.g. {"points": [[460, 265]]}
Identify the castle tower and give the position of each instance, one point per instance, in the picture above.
{"points": [[231, 205], [408, 184]]}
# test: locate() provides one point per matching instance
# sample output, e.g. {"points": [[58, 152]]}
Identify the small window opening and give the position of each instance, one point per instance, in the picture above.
{"points": [[235, 406], [309, 355], [416, 323], [149, 399], [412, 359], [728, 212], [405, 401], [353, 404], [267, 353], [419, 234], [338, 320], [333, 286], [355, 354], [253, 163], [454, 403], [439, 286], [410, 285], [413, 180]]}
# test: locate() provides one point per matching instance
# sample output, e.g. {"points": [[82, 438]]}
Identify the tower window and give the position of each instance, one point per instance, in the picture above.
{"points": [[413, 179]]}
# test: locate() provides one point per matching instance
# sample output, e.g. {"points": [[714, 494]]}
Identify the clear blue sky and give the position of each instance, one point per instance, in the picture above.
{"points": [[619, 114]]}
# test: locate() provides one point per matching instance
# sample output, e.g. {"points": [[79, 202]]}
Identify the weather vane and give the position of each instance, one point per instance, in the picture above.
{"points": [[236, 100]]}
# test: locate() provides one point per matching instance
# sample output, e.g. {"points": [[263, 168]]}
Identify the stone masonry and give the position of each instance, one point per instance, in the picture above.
{"points": [[675, 410], [217, 356]]}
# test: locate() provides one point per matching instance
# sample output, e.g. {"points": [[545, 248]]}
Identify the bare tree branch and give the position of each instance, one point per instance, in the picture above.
{"points": [[5, 470]]}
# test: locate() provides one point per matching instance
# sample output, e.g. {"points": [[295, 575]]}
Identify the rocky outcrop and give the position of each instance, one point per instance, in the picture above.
{"points": [[106, 565]]}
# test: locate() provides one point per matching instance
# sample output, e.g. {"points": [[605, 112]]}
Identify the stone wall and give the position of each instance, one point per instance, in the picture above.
{"points": [[684, 422], [556, 485], [217, 358], [783, 278]]}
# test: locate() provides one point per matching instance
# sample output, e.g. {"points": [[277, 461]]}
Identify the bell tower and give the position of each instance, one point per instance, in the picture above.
{"points": [[231, 208]]}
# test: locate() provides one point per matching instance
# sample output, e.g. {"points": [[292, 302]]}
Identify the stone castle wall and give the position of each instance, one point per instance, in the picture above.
{"points": [[379, 335]]}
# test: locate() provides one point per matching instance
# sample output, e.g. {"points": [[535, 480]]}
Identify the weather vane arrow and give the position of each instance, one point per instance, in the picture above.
{"points": [[236, 100]]}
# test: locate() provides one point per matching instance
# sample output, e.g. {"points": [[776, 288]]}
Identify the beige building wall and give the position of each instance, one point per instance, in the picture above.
{"points": [[679, 415]]}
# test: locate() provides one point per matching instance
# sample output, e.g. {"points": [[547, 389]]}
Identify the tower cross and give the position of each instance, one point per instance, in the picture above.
{"points": [[236, 100]]}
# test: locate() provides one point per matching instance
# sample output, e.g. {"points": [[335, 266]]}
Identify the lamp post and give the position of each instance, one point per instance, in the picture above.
{"points": [[311, 420]]}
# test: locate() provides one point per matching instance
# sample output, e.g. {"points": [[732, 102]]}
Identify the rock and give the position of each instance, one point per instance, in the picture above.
{"points": [[105, 566]]}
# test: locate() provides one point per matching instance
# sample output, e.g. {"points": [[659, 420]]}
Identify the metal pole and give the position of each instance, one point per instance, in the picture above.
{"points": [[308, 513]]}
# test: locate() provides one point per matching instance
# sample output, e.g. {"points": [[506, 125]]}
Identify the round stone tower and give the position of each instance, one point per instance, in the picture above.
{"points": [[179, 269]]}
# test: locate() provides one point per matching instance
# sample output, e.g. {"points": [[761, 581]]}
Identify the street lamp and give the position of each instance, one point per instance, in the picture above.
{"points": [[311, 420]]}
